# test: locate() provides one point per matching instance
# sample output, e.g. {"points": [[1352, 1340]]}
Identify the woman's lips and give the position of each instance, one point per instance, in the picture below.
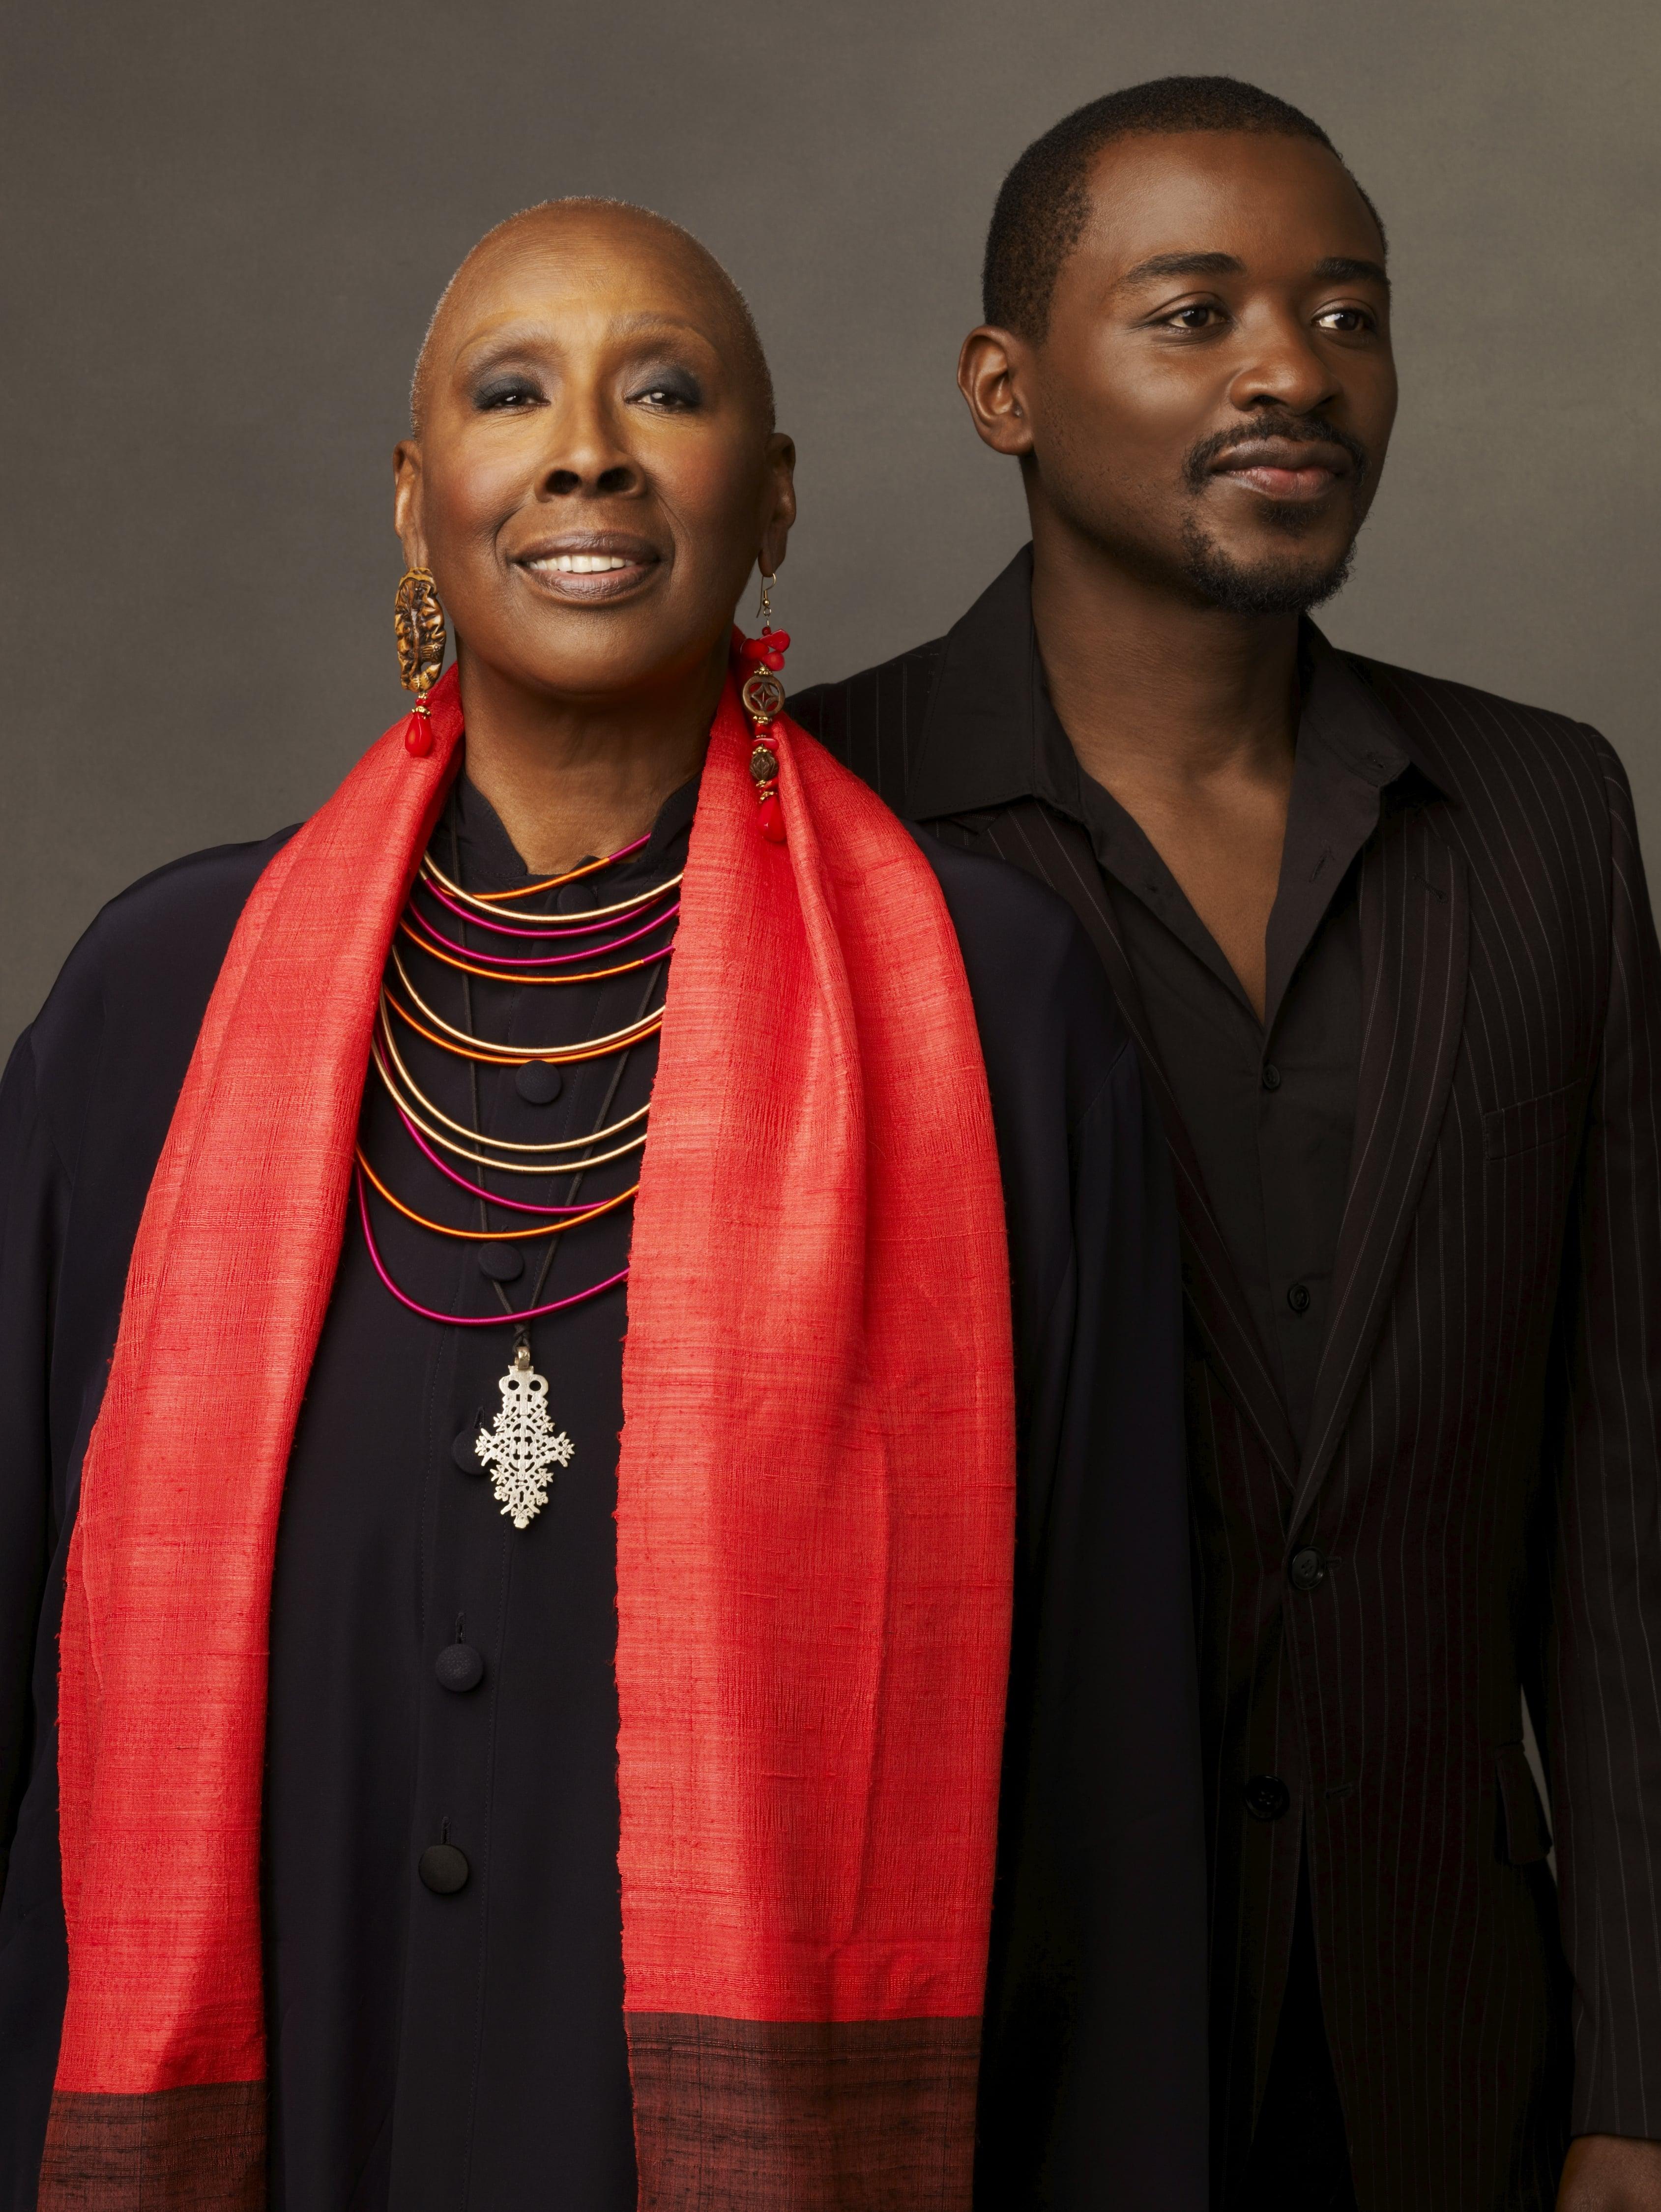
{"points": [[587, 576]]}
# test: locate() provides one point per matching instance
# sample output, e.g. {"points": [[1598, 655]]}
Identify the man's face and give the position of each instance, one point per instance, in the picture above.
{"points": [[1211, 400]]}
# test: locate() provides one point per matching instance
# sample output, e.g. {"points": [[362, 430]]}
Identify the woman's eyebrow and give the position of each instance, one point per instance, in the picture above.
{"points": [[648, 319], [505, 340], [492, 343]]}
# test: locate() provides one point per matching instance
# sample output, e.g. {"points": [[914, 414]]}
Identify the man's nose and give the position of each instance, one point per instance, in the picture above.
{"points": [[1282, 367]]}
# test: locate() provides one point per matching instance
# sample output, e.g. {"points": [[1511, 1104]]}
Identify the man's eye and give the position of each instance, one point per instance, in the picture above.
{"points": [[1200, 317], [1345, 321]]}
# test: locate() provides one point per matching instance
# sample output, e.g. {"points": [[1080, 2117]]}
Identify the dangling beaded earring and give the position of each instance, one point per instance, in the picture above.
{"points": [[418, 623], [764, 696]]}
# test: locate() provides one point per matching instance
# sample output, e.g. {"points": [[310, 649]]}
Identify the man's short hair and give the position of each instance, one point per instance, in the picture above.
{"points": [[1045, 201]]}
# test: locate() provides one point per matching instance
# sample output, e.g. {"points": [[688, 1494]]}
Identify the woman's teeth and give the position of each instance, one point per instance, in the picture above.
{"points": [[582, 564]]}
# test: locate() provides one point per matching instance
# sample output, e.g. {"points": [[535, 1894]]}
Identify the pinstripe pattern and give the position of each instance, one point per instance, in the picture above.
{"points": [[1480, 1468]]}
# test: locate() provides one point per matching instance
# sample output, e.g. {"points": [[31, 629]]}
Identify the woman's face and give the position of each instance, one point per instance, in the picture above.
{"points": [[593, 475]]}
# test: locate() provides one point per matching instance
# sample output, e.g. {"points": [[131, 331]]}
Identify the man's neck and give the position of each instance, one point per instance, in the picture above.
{"points": [[1155, 691], [1188, 716]]}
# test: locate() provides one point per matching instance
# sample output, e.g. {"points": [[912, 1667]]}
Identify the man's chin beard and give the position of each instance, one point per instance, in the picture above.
{"points": [[1273, 586]]}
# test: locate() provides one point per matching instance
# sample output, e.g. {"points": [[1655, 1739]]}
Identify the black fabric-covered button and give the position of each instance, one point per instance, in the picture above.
{"points": [[458, 1667], [538, 1083], [1298, 1298], [502, 1263], [444, 1869], [1308, 1570], [464, 1448], [1266, 1797], [1271, 1076]]}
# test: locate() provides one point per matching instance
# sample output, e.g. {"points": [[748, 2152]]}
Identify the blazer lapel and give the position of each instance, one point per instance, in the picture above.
{"points": [[1058, 851], [1414, 934]]}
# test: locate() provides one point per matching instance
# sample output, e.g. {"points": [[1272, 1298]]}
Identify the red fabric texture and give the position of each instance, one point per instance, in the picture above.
{"points": [[817, 1478], [816, 1490], [159, 1766]]}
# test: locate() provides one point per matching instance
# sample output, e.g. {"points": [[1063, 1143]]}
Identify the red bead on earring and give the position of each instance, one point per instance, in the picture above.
{"points": [[418, 625], [763, 694]]}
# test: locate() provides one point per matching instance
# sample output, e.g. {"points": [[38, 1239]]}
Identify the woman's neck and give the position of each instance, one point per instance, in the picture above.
{"points": [[569, 779]]}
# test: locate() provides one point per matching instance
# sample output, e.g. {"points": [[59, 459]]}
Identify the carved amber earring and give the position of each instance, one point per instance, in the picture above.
{"points": [[419, 621]]}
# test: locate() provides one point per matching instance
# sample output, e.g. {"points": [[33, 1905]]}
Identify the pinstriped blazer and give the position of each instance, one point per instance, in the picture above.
{"points": [[1483, 1469]]}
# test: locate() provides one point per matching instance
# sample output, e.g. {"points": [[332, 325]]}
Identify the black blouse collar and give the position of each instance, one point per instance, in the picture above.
{"points": [[491, 860]]}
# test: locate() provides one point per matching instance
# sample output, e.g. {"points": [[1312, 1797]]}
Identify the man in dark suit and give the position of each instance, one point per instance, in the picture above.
{"points": [[1385, 947]]}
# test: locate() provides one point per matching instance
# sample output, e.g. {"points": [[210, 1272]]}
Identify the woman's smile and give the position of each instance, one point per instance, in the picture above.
{"points": [[589, 567]]}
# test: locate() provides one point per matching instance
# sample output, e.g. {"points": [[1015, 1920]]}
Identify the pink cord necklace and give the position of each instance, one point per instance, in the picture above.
{"points": [[522, 1449]]}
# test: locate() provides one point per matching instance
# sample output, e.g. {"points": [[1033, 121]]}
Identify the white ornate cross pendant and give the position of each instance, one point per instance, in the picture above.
{"points": [[522, 1448]]}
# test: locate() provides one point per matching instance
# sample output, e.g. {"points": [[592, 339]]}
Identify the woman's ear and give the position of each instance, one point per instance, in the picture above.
{"points": [[406, 502], [780, 504]]}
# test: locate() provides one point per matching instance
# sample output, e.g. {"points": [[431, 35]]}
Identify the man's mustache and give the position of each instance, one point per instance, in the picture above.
{"points": [[1296, 429]]}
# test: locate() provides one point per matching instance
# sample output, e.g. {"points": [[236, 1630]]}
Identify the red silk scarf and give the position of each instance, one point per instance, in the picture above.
{"points": [[815, 1520]]}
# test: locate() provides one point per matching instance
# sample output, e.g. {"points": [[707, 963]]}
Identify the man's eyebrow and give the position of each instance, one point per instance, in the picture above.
{"points": [[1345, 264], [1337, 265], [1185, 264]]}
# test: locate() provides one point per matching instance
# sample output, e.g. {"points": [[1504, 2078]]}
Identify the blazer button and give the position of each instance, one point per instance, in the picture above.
{"points": [[538, 1083], [444, 1869], [1308, 1570], [1271, 1076], [1266, 1797], [458, 1667], [1298, 1298], [502, 1263], [464, 1450]]}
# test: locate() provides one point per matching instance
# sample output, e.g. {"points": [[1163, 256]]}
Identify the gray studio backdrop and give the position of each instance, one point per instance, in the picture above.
{"points": [[226, 226]]}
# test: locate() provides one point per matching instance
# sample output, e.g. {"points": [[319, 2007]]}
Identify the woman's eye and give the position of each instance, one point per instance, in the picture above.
{"points": [[507, 392], [1345, 321], [674, 391]]}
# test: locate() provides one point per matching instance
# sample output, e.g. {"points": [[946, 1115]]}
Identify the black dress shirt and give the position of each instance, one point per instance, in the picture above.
{"points": [[1268, 1105], [466, 2049]]}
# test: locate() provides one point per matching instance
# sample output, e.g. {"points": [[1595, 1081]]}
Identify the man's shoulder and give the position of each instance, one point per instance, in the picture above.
{"points": [[870, 720], [1491, 751]]}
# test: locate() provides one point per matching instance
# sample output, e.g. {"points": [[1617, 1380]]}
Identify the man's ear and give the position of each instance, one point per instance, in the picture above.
{"points": [[406, 502], [992, 368]]}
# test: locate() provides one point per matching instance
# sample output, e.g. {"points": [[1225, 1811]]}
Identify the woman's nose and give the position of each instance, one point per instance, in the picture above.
{"points": [[587, 455]]}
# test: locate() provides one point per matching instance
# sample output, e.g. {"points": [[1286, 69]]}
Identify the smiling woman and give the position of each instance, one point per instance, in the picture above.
{"points": [[599, 1371], [593, 474]]}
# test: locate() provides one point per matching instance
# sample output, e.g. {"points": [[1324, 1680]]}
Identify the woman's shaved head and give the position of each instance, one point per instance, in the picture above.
{"points": [[586, 227], [594, 470]]}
